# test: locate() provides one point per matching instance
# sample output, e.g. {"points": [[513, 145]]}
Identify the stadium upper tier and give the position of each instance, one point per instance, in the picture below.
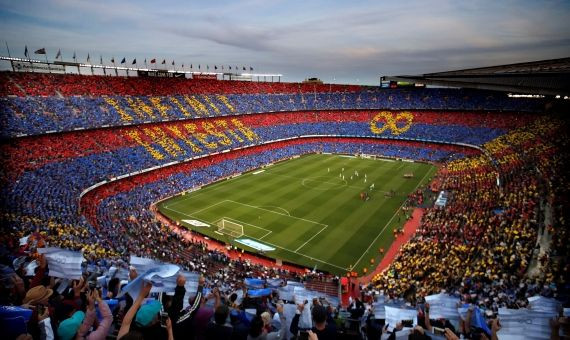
{"points": [[33, 104]]}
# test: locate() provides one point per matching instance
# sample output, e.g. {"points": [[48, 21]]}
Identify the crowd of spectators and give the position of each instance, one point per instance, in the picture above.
{"points": [[70, 102], [36, 305], [44, 176], [43, 84], [480, 245]]}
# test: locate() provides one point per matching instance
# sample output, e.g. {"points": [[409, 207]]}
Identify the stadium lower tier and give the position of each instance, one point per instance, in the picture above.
{"points": [[35, 200]]}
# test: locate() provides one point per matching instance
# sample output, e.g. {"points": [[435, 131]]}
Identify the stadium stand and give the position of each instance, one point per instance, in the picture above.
{"points": [[63, 134]]}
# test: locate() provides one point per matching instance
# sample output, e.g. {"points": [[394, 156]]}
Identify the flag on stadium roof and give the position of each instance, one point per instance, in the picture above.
{"points": [[74, 56], [215, 67], [58, 54], [113, 60], [173, 62], [124, 60], [207, 67], [134, 61], [153, 60], [101, 59], [251, 68], [41, 51], [26, 51], [163, 61], [190, 65], [88, 58], [244, 68], [230, 67]]}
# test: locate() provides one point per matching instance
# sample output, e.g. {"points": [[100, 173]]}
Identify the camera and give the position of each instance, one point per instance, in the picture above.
{"points": [[163, 318], [438, 331]]}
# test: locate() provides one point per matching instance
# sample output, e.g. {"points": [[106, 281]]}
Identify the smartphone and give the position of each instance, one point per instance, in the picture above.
{"points": [[163, 318], [303, 335], [438, 331], [407, 323]]}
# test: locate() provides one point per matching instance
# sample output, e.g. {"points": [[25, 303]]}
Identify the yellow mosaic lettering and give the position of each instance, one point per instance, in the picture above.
{"points": [[207, 100], [140, 108], [224, 125], [160, 137], [196, 105], [163, 109], [202, 137], [124, 116], [247, 132], [222, 137], [185, 139], [180, 106], [226, 102], [135, 136]]}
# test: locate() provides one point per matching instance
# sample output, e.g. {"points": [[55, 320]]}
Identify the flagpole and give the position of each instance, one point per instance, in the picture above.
{"points": [[49, 69], [8, 48]]}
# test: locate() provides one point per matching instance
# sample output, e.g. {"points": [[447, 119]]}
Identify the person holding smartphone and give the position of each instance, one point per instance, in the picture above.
{"points": [[323, 328]]}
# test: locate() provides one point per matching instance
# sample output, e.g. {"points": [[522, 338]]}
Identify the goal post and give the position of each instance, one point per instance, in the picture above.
{"points": [[230, 228]]}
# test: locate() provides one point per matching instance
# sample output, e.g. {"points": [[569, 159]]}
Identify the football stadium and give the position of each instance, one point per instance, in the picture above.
{"points": [[171, 200]]}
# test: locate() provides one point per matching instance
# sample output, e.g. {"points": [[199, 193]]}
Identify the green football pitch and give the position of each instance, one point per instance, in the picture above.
{"points": [[307, 210]]}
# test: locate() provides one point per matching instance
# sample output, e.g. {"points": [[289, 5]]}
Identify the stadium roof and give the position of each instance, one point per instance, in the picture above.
{"points": [[545, 77]]}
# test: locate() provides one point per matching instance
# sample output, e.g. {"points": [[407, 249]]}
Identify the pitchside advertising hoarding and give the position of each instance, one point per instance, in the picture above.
{"points": [[20, 66]]}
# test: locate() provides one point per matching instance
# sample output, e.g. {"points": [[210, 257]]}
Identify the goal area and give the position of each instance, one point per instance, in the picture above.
{"points": [[230, 228]]}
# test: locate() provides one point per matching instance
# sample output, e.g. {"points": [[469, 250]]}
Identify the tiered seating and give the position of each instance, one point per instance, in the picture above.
{"points": [[484, 235], [55, 103], [482, 241]]}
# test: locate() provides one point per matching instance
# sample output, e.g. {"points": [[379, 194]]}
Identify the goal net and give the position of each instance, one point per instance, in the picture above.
{"points": [[230, 228]]}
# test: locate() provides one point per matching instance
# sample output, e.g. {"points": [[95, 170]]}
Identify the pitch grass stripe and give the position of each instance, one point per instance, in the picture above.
{"points": [[367, 249], [215, 187], [334, 203], [324, 208], [361, 230], [356, 225]]}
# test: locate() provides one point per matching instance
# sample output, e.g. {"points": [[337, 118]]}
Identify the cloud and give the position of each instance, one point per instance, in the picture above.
{"points": [[324, 38]]}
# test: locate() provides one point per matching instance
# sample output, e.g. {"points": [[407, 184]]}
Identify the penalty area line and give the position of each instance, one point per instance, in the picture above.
{"points": [[269, 243]]}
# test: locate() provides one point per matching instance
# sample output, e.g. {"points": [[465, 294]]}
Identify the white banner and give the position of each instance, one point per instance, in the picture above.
{"points": [[443, 306], [524, 324], [166, 284], [63, 263], [395, 315]]}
